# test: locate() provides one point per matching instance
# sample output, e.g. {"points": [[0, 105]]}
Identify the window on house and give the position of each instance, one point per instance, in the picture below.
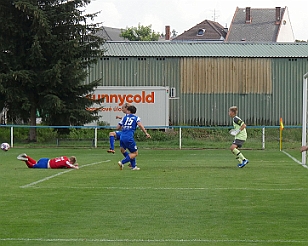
{"points": [[201, 32]]}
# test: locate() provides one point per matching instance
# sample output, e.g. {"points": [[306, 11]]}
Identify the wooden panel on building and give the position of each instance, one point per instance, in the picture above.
{"points": [[226, 75]]}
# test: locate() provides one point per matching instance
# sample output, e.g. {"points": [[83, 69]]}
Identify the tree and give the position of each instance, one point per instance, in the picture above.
{"points": [[46, 47], [174, 33], [140, 33]]}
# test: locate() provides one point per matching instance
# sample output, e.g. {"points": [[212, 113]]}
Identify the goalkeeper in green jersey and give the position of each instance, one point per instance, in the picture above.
{"points": [[240, 137]]}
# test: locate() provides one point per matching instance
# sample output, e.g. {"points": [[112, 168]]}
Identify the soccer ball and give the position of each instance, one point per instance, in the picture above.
{"points": [[5, 146]]}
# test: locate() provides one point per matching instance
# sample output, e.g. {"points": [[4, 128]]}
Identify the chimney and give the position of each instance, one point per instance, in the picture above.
{"points": [[167, 35], [248, 17], [278, 15]]}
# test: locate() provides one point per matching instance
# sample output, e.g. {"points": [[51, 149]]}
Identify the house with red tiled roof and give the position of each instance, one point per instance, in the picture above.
{"points": [[205, 31], [261, 25]]}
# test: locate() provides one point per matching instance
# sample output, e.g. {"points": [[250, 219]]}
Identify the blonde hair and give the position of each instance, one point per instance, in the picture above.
{"points": [[233, 109], [73, 159]]}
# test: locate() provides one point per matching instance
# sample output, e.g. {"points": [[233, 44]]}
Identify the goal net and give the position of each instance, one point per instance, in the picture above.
{"points": [[305, 114]]}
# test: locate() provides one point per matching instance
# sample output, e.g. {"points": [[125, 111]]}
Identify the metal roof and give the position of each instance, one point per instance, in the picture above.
{"points": [[202, 49]]}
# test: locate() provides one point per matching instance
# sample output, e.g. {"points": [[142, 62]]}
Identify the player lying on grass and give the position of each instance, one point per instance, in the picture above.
{"points": [[240, 137], [116, 134], [128, 124], [58, 162]]}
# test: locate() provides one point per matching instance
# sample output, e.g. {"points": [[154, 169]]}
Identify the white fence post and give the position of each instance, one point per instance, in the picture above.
{"points": [[263, 138], [12, 137], [95, 137], [180, 138]]}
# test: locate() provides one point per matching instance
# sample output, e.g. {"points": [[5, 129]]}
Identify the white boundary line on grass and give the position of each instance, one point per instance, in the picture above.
{"points": [[179, 188], [58, 174], [153, 240], [294, 159]]}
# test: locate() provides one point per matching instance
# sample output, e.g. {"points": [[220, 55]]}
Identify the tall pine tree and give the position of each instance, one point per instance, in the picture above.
{"points": [[46, 47]]}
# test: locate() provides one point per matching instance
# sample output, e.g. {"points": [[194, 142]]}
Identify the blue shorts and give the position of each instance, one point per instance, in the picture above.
{"points": [[118, 135], [129, 144], [42, 163]]}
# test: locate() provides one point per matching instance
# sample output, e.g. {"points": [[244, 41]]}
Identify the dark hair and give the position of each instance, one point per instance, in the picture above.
{"points": [[132, 109], [233, 109]]}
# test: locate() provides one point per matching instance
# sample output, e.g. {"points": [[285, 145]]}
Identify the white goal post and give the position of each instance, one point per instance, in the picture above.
{"points": [[304, 126]]}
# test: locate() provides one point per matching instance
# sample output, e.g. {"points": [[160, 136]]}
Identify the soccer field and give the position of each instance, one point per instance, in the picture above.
{"points": [[179, 197]]}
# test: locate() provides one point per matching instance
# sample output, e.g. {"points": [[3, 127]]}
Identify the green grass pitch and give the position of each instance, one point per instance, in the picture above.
{"points": [[179, 197]]}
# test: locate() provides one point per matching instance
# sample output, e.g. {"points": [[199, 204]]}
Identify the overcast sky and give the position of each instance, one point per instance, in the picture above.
{"points": [[181, 15]]}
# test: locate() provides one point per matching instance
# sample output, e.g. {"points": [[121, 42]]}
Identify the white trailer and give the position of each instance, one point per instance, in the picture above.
{"points": [[152, 103]]}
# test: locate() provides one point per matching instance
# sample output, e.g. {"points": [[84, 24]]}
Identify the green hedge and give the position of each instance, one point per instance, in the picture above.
{"points": [[191, 137]]}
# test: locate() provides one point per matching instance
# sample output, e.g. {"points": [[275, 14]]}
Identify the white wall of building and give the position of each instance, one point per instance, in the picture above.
{"points": [[285, 33]]}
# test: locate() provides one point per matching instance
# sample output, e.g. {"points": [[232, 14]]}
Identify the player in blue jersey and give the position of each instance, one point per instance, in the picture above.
{"points": [[117, 134], [128, 124]]}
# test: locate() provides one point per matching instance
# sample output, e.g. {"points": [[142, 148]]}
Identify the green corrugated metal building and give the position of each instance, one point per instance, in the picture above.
{"points": [[263, 79]]}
